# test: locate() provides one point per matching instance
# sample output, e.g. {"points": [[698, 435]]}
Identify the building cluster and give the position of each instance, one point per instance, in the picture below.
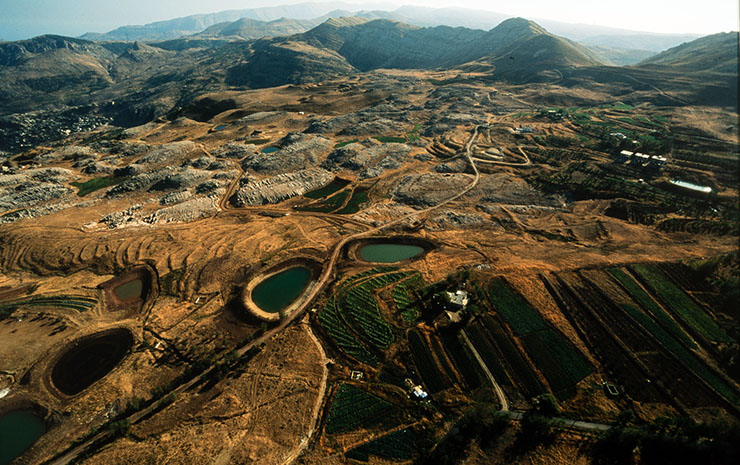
{"points": [[641, 159]]}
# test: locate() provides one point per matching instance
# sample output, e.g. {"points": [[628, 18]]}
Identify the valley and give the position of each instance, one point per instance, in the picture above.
{"points": [[323, 248]]}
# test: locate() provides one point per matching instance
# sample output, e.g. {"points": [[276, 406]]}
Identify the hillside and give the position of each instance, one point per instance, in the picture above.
{"points": [[389, 44], [716, 53], [247, 28]]}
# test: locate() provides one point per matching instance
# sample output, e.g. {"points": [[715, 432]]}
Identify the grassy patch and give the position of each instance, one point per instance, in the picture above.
{"points": [[328, 205], [92, 185], [336, 185], [359, 197], [339, 145], [390, 139]]}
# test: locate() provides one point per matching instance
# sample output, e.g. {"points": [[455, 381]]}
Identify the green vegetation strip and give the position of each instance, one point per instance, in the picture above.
{"points": [[339, 145], [424, 361], [650, 305], [679, 302], [359, 197], [399, 445], [354, 408], [390, 139], [560, 362], [336, 185], [403, 297], [92, 185], [517, 312], [687, 357]]}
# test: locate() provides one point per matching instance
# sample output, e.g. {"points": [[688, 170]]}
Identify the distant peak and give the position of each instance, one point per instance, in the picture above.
{"points": [[521, 25], [345, 21]]}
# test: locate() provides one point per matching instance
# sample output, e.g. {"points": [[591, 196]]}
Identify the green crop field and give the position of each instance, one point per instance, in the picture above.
{"points": [[78, 303], [354, 408], [334, 325], [389, 139], [399, 445], [92, 185], [522, 318], [679, 302], [359, 197], [336, 185], [650, 305], [402, 297], [687, 357]]}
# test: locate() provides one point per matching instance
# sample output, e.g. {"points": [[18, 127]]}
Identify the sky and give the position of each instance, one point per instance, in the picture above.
{"points": [[21, 19]]}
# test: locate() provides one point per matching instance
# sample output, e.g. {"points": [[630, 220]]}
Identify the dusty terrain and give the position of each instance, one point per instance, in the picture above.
{"points": [[200, 205]]}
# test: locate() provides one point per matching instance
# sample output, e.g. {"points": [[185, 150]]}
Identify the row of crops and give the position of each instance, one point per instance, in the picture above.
{"points": [[77, 303], [669, 334], [398, 445], [559, 361], [677, 300], [404, 300], [433, 378], [353, 408], [352, 318]]}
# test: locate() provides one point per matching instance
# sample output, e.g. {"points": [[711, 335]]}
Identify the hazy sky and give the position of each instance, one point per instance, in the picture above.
{"points": [[26, 18]]}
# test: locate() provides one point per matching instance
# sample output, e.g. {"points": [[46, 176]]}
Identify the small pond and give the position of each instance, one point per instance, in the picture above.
{"points": [[19, 429], [130, 290], [90, 359], [220, 127], [282, 289], [270, 149], [389, 252]]}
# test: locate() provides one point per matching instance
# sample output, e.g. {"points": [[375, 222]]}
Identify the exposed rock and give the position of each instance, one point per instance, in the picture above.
{"points": [[455, 166], [299, 151], [98, 168], [175, 197], [451, 219], [130, 170], [370, 157], [263, 117], [168, 153], [188, 177], [501, 188], [428, 189], [209, 186], [209, 163], [26, 195], [234, 150], [281, 187], [138, 182], [189, 210]]}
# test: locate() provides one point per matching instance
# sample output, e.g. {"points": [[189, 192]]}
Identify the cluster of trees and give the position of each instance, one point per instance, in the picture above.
{"points": [[675, 441]]}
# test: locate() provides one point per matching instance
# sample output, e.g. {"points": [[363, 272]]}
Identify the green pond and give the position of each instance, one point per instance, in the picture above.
{"points": [[270, 149], [279, 291], [18, 430], [129, 290], [389, 252]]}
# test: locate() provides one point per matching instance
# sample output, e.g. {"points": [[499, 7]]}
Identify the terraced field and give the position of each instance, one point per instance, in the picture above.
{"points": [[353, 408]]}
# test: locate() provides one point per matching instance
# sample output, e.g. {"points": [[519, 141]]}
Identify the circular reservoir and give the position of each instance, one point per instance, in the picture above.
{"points": [[388, 252], [281, 289], [90, 359], [270, 149], [19, 429], [130, 290]]}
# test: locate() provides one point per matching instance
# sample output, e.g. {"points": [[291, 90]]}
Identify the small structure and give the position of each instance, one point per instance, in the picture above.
{"points": [[356, 375], [418, 392], [459, 299], [524, 130], [618, 135], [454, 317]]}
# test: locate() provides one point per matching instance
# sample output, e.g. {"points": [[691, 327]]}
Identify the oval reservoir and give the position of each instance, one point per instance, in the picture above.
{"points": [[282, 289]]}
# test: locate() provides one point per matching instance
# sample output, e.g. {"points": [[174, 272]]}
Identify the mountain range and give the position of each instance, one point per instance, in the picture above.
{"points": [[134, 82], [617, 46]]}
